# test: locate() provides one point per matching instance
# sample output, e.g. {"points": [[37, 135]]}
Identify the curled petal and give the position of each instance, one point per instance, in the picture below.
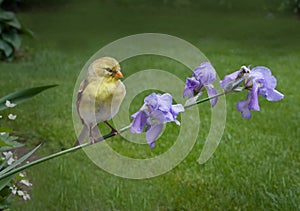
{"points": [[187, 93], [164, 102], [173, 113], [158, 115], [139, 121], [169, 117], [153, 133], [211, 92], [190, 85], [176, 109], [266, 74], [253, 104], [152, 101], [243, 107], [273, 95], [205, 73]]}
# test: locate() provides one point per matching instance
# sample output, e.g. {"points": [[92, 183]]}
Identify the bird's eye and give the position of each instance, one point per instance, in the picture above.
{"points": [[109, 70]]}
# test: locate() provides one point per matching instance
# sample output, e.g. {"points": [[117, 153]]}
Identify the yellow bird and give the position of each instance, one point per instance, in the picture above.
{"points": [[99, 97]]}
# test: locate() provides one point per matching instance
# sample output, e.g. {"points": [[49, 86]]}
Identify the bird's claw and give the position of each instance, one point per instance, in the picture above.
{"points": [[115, 132], [92, 140]]}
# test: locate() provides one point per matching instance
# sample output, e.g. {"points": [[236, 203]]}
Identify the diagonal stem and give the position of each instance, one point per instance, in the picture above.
{"points": [[73, 149], [205, 99], [58, 154]]}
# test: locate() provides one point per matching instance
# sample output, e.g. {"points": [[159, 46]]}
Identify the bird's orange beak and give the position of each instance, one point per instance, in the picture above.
{"points": [[119, 74]]}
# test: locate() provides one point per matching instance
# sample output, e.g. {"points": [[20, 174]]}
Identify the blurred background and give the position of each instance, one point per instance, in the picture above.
{"points": [[257, 163]]}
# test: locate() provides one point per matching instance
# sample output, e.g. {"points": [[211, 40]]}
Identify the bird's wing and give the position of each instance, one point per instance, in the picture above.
{"points": [[82, 87]]}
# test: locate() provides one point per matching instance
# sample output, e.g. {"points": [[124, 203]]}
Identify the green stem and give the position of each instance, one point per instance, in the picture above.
{"points": [[205, 99], [73, 149], [58, 154]]}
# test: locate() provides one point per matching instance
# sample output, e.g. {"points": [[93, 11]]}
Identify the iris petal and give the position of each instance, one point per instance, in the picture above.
{"points": [[153, 133], [211, 92], [274, 95], [205, 73], [156, 111], [253, 105], [139, 121], [243, 107]]}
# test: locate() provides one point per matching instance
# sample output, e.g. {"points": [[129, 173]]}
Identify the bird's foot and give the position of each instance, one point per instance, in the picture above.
{"points": [[115, 132], [92, 140]]}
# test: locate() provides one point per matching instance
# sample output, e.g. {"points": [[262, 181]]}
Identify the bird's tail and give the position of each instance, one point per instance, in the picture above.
{"points": [[82, 136]]}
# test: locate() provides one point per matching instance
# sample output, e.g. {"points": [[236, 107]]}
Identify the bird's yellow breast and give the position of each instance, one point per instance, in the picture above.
{"points": [[101, 97], [101, 90]]}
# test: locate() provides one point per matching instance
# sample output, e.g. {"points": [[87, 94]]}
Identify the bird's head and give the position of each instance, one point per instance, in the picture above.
{"points": [[105, 67]]}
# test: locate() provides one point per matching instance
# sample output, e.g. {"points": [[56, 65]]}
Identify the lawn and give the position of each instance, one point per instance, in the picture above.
{"points": [[257, 164]]}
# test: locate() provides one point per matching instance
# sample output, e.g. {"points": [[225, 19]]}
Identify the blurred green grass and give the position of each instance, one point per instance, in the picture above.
{"points": [[256, 166]]}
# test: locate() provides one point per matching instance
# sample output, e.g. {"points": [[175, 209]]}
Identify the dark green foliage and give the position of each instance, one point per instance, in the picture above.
{"points": [[8, 142], [292, 5], [10, 31]]}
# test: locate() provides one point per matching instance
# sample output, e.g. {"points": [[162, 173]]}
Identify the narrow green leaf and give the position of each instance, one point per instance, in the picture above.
{"points": [[27, 32], [41, 160], [6, 48], [10, 147], [5, 181], [19, 161], [22, 95], [1, 1], [5, 162]]}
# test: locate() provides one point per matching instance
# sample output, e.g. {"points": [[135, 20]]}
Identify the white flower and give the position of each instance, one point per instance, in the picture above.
{"points": [[12, 117], [25, 182], [2, 133], [21, 174], [13, 189], [9, 104], [0, 116], [26, 196], [9, 155], [20, 193]]}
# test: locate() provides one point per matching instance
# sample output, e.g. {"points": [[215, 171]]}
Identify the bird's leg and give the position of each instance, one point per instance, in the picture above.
{"points": [[82, 136], [92, 138], [95, 132], [113, 130]]}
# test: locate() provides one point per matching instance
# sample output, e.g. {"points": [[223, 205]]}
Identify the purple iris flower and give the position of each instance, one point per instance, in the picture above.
{"points": [[156, 111], [257, 81], [203, 77]]}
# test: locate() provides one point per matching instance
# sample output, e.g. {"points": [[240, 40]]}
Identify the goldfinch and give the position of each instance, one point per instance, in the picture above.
{"points": [[99, 97]]}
